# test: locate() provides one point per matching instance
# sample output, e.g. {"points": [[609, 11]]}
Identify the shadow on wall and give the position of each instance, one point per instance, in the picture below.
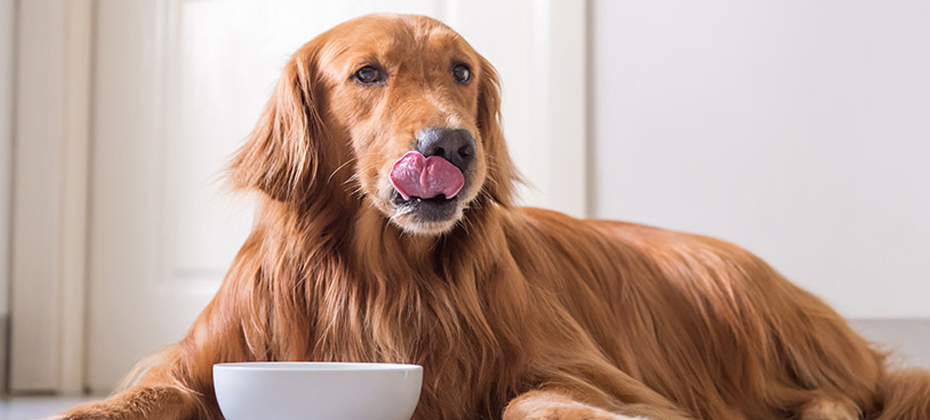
{"points": [[908, 339]]}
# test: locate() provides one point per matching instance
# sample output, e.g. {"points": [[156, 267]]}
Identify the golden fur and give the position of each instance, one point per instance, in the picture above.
{"points": [[513, 312]]}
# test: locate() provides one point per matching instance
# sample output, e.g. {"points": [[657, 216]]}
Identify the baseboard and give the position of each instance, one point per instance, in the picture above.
{"points": [[908, 340]]}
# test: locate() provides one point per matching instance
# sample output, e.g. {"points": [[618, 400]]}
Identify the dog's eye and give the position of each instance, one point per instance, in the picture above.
{"points": [[461, 73], [369, 75]]}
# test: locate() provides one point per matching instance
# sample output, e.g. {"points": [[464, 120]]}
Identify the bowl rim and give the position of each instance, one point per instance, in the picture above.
{"points": [[317, 366]]}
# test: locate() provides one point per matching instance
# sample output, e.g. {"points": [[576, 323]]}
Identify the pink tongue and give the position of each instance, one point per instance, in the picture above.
{"points": [[426, 177]]}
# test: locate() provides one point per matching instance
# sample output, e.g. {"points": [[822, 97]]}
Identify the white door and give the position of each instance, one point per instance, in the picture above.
{"points": [[178, 84]]}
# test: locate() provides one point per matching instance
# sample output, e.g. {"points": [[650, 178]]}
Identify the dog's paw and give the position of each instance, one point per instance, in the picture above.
{"points": [[598, 413], [86, 411], [828, 409], [560, 409]]}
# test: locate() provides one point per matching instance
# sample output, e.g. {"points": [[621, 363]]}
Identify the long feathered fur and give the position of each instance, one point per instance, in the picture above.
{"points": [[515, 312]]}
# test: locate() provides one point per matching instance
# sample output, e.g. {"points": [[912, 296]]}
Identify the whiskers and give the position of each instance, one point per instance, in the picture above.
{"points": [[347, 162], [401, 211]]}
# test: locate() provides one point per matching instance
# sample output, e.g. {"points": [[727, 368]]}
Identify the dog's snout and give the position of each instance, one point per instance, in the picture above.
{"points": [[455, 145]]}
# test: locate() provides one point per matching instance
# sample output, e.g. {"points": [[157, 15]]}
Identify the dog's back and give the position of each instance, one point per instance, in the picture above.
{"points": [[701, 321]]}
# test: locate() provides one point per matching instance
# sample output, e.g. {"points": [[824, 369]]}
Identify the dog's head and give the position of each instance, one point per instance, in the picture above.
{"points": [[395, 110]]}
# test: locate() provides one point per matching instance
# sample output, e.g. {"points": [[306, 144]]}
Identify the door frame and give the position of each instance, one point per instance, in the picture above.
{"points": [[560, 107], [50, 191], [51, 185], [7, 47]]}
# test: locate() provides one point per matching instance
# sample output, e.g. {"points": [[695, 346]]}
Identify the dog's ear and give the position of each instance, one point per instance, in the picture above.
{"points": [[282, 155], [501, 172]]}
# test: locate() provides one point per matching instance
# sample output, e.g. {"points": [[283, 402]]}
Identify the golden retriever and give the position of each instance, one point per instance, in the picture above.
{"points": [[386, 232]]}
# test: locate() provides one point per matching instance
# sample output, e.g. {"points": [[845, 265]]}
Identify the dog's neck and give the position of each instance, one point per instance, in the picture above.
{"points": [[376, 239]]}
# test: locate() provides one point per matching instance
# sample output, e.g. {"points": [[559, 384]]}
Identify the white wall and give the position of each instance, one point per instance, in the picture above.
{"points": [[7, 28], [798, 129]]}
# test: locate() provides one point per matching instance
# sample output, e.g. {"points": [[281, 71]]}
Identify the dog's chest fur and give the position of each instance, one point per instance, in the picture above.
{"points": [[471, 361]]}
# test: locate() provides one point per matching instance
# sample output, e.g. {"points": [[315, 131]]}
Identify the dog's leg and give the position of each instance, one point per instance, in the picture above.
{"points": [[154, 390], [590, 388], [558, 405], [140, 402]]}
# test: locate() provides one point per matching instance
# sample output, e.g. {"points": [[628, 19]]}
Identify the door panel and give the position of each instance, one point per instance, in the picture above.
{"points": [[177, 85]]}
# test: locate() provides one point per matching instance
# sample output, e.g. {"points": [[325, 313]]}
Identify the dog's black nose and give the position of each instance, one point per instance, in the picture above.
{"points": [[455, 145]]}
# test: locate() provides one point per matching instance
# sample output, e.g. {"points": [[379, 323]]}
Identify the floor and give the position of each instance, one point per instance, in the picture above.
{"points": [[910, 340]]}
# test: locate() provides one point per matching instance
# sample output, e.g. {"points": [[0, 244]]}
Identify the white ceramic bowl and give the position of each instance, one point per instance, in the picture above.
{"points": [[317, 391]]}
